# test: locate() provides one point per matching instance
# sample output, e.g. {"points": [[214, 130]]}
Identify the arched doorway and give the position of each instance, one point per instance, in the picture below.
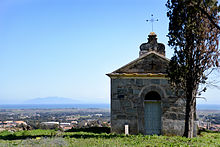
{"points": [[152, 113]]}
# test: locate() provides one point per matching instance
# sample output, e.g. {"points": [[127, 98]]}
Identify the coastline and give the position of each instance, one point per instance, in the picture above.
{"points": [[83, 106]]}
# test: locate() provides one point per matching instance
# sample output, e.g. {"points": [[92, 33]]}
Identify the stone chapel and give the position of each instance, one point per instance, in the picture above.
{"points": [[141, 96]]}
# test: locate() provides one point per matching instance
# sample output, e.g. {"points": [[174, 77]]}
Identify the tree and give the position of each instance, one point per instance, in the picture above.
{"points": [[194, 39], [209, 16]]}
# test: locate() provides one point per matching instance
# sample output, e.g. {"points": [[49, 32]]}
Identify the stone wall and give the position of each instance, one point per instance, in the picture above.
{"points": [[127, 105]]}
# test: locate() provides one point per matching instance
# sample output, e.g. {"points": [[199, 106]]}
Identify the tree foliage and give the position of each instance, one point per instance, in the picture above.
{"points": [[194, 37]]}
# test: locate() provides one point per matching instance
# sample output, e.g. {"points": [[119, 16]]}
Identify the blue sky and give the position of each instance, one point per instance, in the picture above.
{"points": [[64, 48]]}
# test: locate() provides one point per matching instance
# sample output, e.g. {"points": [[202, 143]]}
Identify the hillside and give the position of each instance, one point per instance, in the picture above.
{"points": [[57, 138]]}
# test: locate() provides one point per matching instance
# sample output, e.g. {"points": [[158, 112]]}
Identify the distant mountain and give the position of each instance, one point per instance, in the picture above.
{"points": [[52, 100]]}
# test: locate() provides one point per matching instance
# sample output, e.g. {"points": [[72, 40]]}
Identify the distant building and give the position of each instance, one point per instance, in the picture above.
{"points": [[66, 128], [50, 123], [74, 122], [99, 115], [20, 122], [141, 96], [65, 124]]}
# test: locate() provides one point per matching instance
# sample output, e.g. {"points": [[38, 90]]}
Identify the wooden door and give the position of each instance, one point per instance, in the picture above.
{"points": [[152, 111]]}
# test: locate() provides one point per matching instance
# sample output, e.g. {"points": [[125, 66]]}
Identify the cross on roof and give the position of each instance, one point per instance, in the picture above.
{"points": [[152, 20], [152, 64]]}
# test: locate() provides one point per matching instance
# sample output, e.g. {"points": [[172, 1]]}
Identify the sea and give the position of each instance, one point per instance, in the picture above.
{"points": [[86, 106], [53, 106]]}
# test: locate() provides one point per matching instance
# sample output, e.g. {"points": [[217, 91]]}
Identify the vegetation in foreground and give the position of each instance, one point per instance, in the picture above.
{"points": [[56, 138]]}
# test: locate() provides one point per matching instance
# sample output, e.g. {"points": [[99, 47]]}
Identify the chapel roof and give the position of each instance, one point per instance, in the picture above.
{"points": [[149, 64]]}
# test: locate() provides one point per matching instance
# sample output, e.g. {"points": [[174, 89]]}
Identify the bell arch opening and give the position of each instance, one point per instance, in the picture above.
{"points": [[152, 96]]}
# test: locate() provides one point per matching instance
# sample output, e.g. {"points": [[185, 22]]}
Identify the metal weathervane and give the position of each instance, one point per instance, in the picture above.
{"points": [[152, 20]]}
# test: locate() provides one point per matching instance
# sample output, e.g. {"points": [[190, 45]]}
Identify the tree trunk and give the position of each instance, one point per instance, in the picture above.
{"points": [[190, 114]]}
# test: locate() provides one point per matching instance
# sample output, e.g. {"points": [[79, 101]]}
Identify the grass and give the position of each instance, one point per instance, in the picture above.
{"points": [[87, 139]]}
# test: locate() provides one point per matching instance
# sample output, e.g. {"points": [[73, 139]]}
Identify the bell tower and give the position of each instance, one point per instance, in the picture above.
{"points": [[152, 45]]}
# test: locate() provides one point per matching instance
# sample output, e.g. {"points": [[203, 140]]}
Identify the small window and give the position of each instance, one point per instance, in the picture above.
{"points": [[152, 96]]}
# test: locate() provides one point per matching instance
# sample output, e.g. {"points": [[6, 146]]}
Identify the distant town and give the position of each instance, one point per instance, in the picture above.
{"points": [[209, 119], [60, 119], [65, 119]]}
